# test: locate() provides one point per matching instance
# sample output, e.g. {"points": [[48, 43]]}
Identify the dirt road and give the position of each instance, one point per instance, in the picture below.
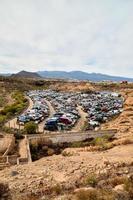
{"points": [[81, 122], [51, 112]]}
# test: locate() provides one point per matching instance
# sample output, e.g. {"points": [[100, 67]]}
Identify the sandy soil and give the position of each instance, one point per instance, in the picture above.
{"points": [[23, 148], [62, 169]]}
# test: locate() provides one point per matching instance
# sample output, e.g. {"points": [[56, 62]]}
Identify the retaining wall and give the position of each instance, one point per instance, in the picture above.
{"points": [[72, 136]]}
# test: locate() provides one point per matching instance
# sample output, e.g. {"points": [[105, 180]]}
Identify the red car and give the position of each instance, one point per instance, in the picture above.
{"points": [[65, 120]]}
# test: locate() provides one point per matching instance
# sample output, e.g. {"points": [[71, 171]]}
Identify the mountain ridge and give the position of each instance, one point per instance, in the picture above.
{"points": [[80, 75], [71, 75]]}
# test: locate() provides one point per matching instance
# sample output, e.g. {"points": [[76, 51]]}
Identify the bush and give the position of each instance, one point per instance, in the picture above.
{"points": [[4, 191], [91, 180], [116, 181], [96, 195], [129, 187], [66, 154], [77, 144], [30, 128], [50, 152], [87, 195], [2, 119], [57, 189], [18, 136], [17, 107], [99, 141]]}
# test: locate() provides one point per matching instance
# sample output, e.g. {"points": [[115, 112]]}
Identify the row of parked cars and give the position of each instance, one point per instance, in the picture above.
{"points": [[37, 113], [66, 114], [101, 107]]}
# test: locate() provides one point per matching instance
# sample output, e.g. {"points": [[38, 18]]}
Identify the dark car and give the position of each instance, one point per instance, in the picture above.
{"points": [[51, 124], [23, 119]]}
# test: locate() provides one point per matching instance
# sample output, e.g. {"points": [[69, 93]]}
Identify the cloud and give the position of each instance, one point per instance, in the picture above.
{"points": [[93, 36]]}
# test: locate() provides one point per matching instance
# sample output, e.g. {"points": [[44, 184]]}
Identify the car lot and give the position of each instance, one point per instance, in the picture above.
{"points": [[37, 113], [99, 107], [66, 114]]}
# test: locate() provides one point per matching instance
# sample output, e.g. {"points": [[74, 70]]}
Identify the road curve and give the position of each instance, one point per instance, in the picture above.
{"points": [[81, 122], [51, 112], [13, 122]]}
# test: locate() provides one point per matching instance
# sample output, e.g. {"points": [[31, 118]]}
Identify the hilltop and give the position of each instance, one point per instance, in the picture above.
{"points": [[25, 74]]}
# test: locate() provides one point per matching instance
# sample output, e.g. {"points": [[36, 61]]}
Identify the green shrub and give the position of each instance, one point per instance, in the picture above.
{"points": [[17, 107], [2, 119], [99, 141], [91, 180], [30, 128], [66, 154], [77, 144]]}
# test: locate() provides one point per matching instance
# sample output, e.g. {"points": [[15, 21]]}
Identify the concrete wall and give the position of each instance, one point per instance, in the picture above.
{"points": [[72, 137]]}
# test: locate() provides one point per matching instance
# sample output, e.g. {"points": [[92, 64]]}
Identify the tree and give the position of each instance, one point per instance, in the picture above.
{"points": [[30, 128]]}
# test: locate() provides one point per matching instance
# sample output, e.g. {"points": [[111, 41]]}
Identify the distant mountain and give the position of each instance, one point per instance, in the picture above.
{"points": [[79, 75], [25, 74], [6, 75]]}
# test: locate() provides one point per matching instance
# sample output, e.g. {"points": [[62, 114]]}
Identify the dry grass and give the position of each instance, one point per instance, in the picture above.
{"points": [[95, 195]]}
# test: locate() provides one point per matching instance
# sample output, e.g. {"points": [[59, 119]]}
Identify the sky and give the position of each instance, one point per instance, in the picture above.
{"points": [[87, 35]]}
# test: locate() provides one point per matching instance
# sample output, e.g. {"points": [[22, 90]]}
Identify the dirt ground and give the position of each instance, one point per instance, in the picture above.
{"points": [[59, 169], [4, 143]]}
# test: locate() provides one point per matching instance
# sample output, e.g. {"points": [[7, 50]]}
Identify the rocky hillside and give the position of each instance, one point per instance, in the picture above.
{"points": [[25, 74]]}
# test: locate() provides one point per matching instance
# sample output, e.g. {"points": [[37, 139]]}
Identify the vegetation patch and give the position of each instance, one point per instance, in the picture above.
{"points": [[30, 128], [9, 111], [91, 180], [4, 192]]}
